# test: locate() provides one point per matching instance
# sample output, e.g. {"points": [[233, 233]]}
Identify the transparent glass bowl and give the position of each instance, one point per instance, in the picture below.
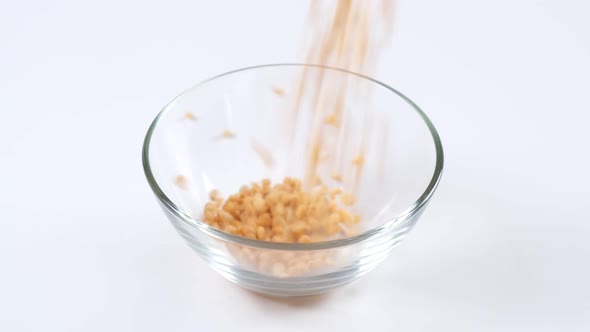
{"points": [[403, 168]]}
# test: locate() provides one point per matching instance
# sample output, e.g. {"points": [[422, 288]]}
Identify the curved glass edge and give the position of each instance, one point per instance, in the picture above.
{"points": [[219, 234]]}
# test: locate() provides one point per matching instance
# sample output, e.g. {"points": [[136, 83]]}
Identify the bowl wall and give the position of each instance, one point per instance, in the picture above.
{"points": [[402, 166]]}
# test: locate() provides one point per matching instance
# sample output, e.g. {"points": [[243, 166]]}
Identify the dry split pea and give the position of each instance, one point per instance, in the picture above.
{"points": [[283, 212]]}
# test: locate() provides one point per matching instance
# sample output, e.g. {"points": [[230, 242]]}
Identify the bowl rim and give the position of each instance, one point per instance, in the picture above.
{"points": [[219, 234]]}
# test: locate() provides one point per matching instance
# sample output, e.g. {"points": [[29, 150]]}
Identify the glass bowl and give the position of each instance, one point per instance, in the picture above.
{"points": [[223, 133]]}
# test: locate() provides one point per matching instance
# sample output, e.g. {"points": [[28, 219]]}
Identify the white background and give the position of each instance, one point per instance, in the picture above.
{"points": [[504, 245]]}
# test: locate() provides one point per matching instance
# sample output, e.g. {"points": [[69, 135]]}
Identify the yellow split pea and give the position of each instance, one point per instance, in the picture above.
{"points": [[283, 212]]}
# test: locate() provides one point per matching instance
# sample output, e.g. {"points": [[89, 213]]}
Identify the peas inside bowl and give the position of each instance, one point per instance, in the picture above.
{"points": [[240, 127]]}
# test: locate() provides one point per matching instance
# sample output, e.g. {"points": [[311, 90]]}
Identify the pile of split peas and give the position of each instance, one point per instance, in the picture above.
{"points": [[283, 212]]}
